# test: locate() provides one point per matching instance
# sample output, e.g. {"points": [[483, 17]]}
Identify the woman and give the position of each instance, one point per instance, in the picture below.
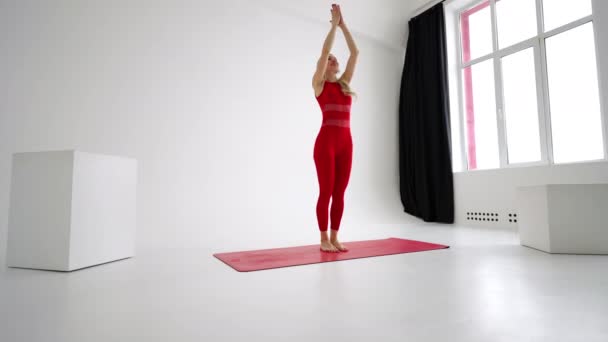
{"points": [[333, 149]]}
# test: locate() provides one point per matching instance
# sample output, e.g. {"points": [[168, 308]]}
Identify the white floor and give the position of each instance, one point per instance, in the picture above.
{"points": [[484, 288]]}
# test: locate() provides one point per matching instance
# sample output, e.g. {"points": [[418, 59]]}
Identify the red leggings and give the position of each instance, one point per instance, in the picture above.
{"points": [[333, 158]]}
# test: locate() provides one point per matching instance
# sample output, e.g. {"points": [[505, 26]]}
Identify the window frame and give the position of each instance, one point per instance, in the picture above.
{"points": [[538, 44]]}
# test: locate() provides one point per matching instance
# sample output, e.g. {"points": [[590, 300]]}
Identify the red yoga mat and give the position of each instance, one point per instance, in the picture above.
{"points": [[302, 255]]}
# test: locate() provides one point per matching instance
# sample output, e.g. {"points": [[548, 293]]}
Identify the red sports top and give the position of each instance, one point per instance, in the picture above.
{"points": [[334, 104]]}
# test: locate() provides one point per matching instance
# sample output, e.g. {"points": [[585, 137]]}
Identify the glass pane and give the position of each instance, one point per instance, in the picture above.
{"points": [[562, 12], [476, 28], [521, 107], [481, 125], [516, 21], [574, 96]]}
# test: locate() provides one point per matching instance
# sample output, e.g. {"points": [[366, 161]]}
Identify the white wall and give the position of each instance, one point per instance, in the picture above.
{"points": [[494, 191], [213, 98]]}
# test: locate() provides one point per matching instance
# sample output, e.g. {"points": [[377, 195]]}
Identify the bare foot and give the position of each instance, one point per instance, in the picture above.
{"points": [[339, 246], [327, 246]]}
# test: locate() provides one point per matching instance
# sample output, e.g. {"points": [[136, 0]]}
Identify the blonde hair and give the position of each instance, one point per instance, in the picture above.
{"points": [[346, 88]]}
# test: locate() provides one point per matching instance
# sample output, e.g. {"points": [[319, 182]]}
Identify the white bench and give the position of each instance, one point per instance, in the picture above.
{"points": [[564, 218], [70, 210]]}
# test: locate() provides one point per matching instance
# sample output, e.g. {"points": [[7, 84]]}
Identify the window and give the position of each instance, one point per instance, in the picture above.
{"points": [[529, 92]]}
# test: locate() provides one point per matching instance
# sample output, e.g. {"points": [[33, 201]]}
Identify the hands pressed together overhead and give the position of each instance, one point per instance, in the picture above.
{"points": [[336, 16]]}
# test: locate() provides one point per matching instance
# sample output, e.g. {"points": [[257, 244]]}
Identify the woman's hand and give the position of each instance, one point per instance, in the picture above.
{"points": [[342, 24], [335, 15]]}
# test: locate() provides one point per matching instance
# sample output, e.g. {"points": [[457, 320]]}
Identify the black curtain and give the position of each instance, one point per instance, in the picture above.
{"points": [[425, 166]]}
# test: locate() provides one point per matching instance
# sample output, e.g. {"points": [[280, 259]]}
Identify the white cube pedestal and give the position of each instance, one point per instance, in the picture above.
{"points": [[70, 210], [564, 218]]}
